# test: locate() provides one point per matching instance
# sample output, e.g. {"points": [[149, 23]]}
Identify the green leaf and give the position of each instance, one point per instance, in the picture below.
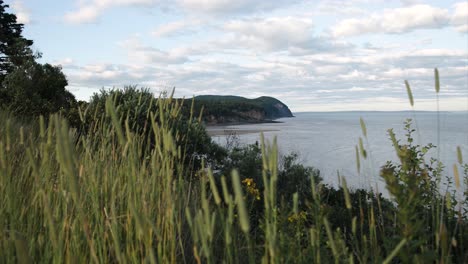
{"points": [[363, 127], [410, 94], [459, 155]]}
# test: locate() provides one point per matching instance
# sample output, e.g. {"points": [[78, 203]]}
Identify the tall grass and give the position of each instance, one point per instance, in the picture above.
{"points": [[109, 197], [70, 198]]}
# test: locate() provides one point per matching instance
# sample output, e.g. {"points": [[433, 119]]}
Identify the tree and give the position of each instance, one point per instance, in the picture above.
{"points": [[14, 48], [34, 89], [27, 88]]}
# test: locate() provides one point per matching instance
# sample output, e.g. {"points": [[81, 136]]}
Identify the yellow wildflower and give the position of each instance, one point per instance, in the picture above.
{"points": [[299, 217], [252, 188]]}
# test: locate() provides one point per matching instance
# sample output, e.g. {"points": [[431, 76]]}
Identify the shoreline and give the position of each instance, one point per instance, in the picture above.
{"points": [[239, 123], [213, 132], [225, 129]]}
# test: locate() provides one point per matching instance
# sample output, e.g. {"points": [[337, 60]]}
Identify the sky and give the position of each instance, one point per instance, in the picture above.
{"points": [[325, 55]]}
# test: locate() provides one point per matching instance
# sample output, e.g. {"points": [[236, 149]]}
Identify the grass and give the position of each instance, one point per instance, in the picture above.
{"points": [[108, 197]]}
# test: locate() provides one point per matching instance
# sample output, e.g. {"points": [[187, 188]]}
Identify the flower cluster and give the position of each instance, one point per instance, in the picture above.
{"points": [[299, 217], [252, 188]]}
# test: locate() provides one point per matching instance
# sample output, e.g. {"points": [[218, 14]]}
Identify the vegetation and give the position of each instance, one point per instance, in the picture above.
{"points": [[28, 88], [138, 109], [103, 194], [132, 178], [34, 89], [14, 48], [216, 109]]}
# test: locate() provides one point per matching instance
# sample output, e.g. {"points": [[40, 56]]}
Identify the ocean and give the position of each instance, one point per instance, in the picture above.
{"points": [[327, 140]]}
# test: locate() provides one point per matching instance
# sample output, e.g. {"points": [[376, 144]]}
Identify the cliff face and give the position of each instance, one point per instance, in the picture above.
{"points": [[252, 116], [234, 109], [274, 107]]}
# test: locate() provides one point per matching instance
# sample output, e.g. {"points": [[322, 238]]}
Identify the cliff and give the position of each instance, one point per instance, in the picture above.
{"points": [[235, 109]]}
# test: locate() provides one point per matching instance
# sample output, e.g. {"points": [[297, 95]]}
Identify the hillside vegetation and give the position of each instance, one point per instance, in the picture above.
{"points": [[137, 181], [219, 109], [130, 178]]}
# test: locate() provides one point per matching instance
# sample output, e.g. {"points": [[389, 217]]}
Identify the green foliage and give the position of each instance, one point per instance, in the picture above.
{"points": [[138, 109], [294, 177], [423, 218], [236, 109], [120, 189], [92, 197], [27, 88], [34, 89], [14, 48], [68, 198]]}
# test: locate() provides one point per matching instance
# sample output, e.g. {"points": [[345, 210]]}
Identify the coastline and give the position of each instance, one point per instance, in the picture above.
{"points": [[239, 123], [226, 131]]}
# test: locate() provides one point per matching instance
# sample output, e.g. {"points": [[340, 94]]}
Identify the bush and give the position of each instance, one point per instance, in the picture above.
{"points": [[138, 109], [424, 214]]}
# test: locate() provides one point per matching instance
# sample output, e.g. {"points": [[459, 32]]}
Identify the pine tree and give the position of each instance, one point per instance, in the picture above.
{"points": [[14, 48]]}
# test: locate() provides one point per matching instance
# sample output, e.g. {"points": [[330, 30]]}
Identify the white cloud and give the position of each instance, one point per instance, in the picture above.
{"points": [[294, 35], [399, 73], [89, 10], [272, 33], [463, 28], [170, 28], [342, 7], [22, 13], [177, 27], [411, 2], [222, 7], [63, 62], [139, 53], [346, 82], [460, 17], [253, 50], [398, 20]]}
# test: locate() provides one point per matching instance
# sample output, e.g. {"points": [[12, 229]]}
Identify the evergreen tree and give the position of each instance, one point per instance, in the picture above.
{"points": [[14, 48]]}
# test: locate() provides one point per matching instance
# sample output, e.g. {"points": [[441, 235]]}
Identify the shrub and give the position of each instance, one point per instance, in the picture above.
{"points": [[138, 109]]}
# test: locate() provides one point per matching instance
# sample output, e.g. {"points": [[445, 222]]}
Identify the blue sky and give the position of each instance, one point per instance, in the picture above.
{"points": [[327, 55]]}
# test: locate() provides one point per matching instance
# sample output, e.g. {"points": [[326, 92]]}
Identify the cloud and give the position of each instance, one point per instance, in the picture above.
{"points": [[274, 34], [248, 50], [460, 17], [140, 53], [411, 2], [96, 76], [342, 7], [223, 7], [22, 13], [398, 20], [64, 62], [346, 81], [176, 28], [89, 10]]}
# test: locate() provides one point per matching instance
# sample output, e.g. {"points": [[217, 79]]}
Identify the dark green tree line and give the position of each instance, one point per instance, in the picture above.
{"points": [[28, 88]]}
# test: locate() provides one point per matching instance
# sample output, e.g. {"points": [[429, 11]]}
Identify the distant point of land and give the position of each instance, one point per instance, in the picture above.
{"points": [[223, 110]]}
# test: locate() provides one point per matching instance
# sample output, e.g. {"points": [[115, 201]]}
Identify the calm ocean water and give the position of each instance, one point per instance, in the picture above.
{"points": [[327, 140]]}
